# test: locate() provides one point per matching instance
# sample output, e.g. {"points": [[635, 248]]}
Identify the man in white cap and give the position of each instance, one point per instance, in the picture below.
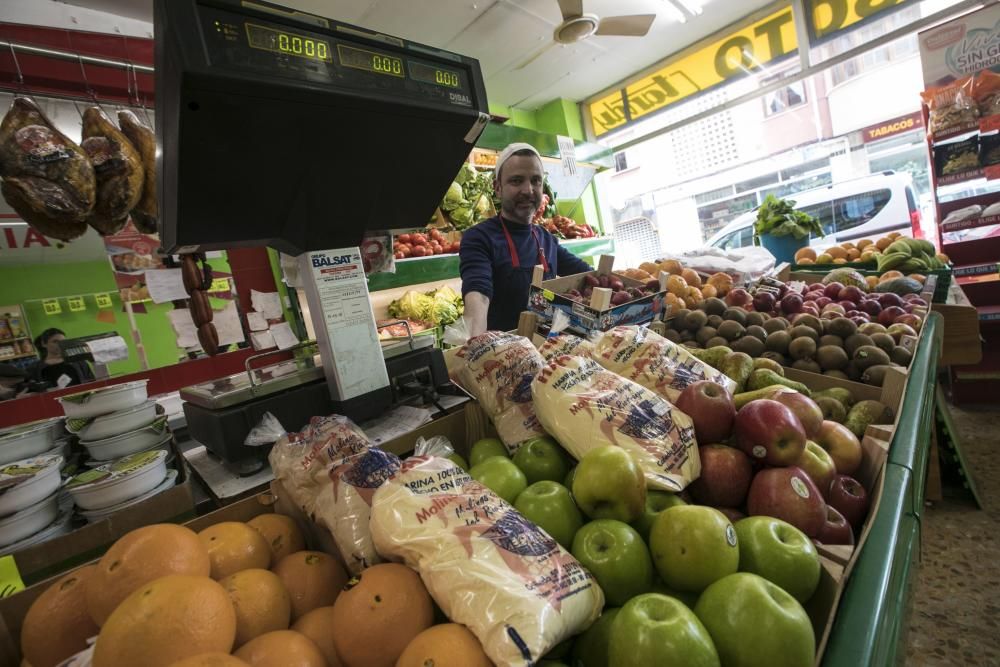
{"points": [[498, 256]]}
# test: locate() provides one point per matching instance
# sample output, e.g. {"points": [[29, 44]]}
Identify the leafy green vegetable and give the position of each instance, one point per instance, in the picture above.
{"points": [[438, 307], [778, 217], [463, 217], [453, 198]]}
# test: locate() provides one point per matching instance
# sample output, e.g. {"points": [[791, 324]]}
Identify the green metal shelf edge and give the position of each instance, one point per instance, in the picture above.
{"points": [[872, 612], [445, 267]]}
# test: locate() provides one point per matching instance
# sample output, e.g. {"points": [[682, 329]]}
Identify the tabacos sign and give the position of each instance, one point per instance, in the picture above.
{"points": [[891, 128]]}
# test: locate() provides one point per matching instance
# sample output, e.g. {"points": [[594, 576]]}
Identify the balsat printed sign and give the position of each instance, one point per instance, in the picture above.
{"points": [[961, 47]]}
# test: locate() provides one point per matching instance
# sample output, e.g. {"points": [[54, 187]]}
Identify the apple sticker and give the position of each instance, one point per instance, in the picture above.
{"points": [[759, 451], [731, 535], [799, 487]]}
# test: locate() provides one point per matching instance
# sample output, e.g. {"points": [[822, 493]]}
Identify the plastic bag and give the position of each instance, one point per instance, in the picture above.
{"points": [[437, 445], [484, 564], [267, 432], [331, 471], [951, 108], [744, 264], [584, 406], [498, 370], [565, 344], [651, 360]]}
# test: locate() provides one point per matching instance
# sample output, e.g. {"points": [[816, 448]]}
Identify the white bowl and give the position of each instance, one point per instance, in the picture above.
{"points": [[144, 437], [27, 440], [122, 480], [95, 402], [93, 516], [24, 483], [114, 423], [29, 521], [61, 526]]}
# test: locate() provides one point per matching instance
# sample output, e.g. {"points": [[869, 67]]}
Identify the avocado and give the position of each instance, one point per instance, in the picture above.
{"points": [[731, 330], [755, 319], [852, 343], [770, 364], [900, 355], [750, 345], [763, 377], [695, 320], [778, 342], [715, 320], [833, 410], [900, 286], [715, 306], [865, 413], [875, 375], [757, 332], [830, 339], [802, 348], [704, 334], [843, 327], [806, 365], [736, 315], [803, 331], [832, 358], [867, 356], [775, 324], [884, 342]]}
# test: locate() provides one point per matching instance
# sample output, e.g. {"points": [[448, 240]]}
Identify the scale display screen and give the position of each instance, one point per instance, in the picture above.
{"points": [[280, 41], [435, 75], [370, 61]]}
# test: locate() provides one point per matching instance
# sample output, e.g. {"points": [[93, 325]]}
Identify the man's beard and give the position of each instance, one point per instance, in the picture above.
{"points": [[512, 210]]}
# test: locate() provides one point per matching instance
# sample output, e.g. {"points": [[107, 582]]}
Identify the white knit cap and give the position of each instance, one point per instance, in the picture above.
{"points": [[514, 148]]}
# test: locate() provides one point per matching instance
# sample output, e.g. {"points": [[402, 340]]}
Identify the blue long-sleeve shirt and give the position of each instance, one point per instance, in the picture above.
{"points": [[486, 267]]}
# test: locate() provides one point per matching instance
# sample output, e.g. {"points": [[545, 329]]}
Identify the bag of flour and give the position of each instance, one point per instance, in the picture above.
{"points": [[565, 344], [584, 406], [653, 361], [331, 470], [498, 370], [484, 564]]}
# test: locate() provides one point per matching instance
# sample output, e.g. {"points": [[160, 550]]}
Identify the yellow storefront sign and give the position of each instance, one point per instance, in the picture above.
{"points": [[737, 53], [832, 16]]}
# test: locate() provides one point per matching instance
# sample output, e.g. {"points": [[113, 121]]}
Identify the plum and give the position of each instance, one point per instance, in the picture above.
{"points": [[890, 299], [888, 315], [832, 290]]}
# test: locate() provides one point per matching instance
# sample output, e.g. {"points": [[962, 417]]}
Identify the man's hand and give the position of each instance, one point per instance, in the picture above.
{"points": [[476, 307]]}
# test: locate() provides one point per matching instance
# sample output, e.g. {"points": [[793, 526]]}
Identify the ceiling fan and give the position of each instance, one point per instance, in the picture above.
{"points": [[577, 26]]}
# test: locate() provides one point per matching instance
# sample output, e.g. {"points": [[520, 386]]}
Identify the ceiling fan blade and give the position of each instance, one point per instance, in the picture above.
{"points": [[538, 54], [636, 25], [570, 8]]}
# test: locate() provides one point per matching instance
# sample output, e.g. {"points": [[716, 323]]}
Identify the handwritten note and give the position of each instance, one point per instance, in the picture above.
{"points": [[165, 285], [256, 322], [283, 335], [184, 328], [262, 340], [227, 324], [106, 350], [266, 303]]}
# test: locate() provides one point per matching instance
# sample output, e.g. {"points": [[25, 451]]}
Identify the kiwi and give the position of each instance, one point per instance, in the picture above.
{"points": [[875, 375], [673, 335], [832, 357], [802, 348], [778, 342], [900, 355], [695, 320], [686, 335], [852, 343], [843, 327], [806, 365], [755, 319], [715, 320], [757, 332], [884, 342], [810, 321], [692, 344], [735, 315], [704, 334], [804, 331], [715, 342], [774, 324], [750, 345], [830, 339], [700, 305], [867, 356], [840, 375], [776, 357], [731, 330], [853, 372], [678, 320], [714, 306]]}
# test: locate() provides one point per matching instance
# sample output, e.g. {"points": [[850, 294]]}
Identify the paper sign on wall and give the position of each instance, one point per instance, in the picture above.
{"points": [[228, 326], [567, 155], [103, 300], [76, 304], [51, 306]]}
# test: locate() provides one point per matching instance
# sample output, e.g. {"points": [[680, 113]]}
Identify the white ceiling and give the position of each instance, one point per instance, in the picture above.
{"points": [[504, 34]]}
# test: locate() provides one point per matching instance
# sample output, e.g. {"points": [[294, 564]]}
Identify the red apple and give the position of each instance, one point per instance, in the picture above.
{"points": [[832, 290], [810, 296], [889, 315], [763, 302], [791, 303], [810, 415], [851, 293], [819, 465], [810, 308], [835, 530], [859, 319], [847, 304], [889, 299], [834, 308], [816, 287], [732, 514], [842, 446], [788, 494], [849, 497], [897, 330], [710, 406], [725, 476], [871, 306], [910, 320], [915, 300], [738, 297], [823, 301], [770, 433]]}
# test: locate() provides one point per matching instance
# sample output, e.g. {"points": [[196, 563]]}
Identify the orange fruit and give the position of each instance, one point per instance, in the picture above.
{"points": [[281, 648], [692, 277], [650, 268], [864, 243], [943, 258], [722, 282], [677, 285], [261, 602], [807, 253], [313, 579], [211, 660], [872, 281], [853, 254], [805, 260], [840, 260], [174, 617], [57, 624], [281, 533], [671, 266], [894, 235], [889, 275], [234, 546], [445, 645], [824, 258], [836, 252], [318, 626], [139, 557], [883, 243], [708, 291], [846, 245], [693, 297], [384, 608], [919, 277]]}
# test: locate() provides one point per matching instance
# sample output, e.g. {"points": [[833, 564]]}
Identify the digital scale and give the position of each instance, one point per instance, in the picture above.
{"points": [[277, 128]]}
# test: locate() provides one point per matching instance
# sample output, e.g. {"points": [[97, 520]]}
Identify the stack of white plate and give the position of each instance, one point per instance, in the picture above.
{"points": [[115, 486], [29, 502], [96, 402], [32, 439]]}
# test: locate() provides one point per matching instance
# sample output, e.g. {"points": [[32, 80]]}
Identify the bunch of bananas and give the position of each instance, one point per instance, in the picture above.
{"points": [[910, 255]]}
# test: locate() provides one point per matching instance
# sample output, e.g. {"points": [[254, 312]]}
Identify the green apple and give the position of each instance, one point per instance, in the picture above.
{"points": [[779, 552], [617, 557], [591, 648], [485, 448], [609, 484], [550, 506], [500, 475], [457, 459], [693, 546], [755, 623], [690, 599], [570, 476], [560, 651], [654, 629], [542, 459], [656, 502]]}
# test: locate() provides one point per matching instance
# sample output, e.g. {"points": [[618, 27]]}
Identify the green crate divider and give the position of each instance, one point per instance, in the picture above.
{"points": [[950, 447]]}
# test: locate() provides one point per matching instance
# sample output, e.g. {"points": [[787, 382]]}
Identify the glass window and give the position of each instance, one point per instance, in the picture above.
{"points": [[738, 239], [789, 97], [858, 209], [822, 212]]}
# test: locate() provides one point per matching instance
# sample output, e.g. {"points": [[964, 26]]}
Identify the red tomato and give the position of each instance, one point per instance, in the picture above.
{"points": [[436, 248], [419, 239], [405, 247], [404, 238], [406, 252], [399, 255], [455, 247], [419, 251]]}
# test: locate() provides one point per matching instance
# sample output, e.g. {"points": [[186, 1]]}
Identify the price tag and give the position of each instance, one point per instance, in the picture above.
{"points": [[549, 296], [219, 285], [103, 300], [51, 306], [76, 304], [10, 578]]}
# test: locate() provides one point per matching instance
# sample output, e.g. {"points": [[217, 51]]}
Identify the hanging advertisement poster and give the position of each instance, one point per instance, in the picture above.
{"points": [[960, 48]]}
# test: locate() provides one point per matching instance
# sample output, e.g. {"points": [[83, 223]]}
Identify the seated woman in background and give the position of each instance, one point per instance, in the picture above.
{"points": [[52, 365]]}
